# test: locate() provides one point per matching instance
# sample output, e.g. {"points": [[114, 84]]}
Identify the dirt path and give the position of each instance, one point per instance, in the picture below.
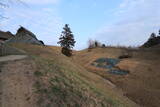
{"points": [[12, 57], [16, 83]]}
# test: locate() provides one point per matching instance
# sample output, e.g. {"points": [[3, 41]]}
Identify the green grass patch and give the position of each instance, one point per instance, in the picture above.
{"points": [[64, 86], [38, 73]]}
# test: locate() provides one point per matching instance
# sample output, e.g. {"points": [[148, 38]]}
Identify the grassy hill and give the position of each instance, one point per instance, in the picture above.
{"points": [[141, 85], [49, 79], [60, 82]]}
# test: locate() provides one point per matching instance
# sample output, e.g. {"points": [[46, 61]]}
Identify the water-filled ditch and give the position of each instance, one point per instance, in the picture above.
{"points": [[110, 65]]}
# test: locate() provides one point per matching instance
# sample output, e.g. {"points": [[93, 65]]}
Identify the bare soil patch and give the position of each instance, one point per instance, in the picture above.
{"points": [[16, 83]]}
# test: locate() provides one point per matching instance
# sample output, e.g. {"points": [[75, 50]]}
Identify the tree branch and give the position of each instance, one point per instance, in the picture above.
{"points": [[5, 4]]}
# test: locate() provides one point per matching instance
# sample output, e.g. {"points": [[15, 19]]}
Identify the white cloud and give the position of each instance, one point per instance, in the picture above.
{"points": [[136, 19], [41, 1]]}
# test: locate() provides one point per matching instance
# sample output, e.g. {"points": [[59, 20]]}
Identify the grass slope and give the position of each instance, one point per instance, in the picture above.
{"points": [[61, 82], [142, 83]]}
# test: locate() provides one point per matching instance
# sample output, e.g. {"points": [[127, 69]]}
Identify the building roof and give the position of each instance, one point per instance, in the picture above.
{"points": [[5, 35], [24, 36], [21, 31]]}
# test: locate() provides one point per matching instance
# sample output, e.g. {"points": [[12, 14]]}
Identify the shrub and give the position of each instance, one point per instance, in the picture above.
{"points": [[103, 45], [66, 51], [37, 73], [93, 44]]}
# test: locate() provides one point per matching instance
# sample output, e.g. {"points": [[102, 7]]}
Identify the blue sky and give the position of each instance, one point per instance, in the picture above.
{"points": [[113, 22]]}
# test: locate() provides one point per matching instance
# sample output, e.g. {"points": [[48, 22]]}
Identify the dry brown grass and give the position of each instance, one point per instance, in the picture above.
{"points": [[142, 83], [71, 83]]}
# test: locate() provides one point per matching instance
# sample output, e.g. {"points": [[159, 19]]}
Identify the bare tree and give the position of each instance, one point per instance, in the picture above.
{"points": [[93, 44], [6, 4]]}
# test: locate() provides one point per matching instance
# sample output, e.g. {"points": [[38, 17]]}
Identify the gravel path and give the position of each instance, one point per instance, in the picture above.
{"points": [[12, 57]]}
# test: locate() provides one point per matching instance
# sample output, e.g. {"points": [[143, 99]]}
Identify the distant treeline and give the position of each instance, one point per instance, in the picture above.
{"points": [[153, 40], [95, 43]]}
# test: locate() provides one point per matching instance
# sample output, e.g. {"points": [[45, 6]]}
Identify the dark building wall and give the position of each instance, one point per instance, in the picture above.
{"points": [[8, 50], [3, 39]]}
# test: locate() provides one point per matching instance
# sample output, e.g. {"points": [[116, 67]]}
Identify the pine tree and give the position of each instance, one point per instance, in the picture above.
{"points": [[153, 35], [67, 41]]}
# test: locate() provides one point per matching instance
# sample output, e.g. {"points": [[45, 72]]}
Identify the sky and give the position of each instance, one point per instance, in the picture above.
{"points": [[112, 22]]}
